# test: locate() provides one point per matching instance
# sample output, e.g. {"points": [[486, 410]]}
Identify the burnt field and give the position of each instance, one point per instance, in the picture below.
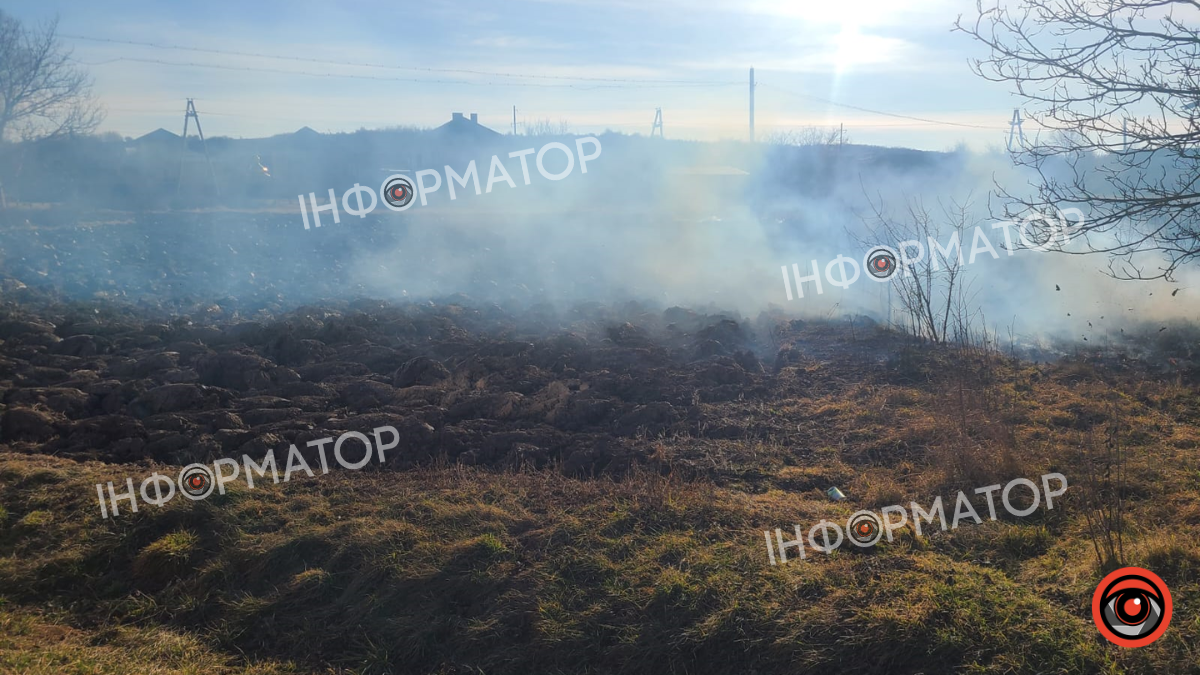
{"points": [[578, 487], [585, 391]]}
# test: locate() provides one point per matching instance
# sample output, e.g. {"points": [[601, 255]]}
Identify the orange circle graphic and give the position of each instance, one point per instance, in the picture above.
{"points": [[1132, 607]]}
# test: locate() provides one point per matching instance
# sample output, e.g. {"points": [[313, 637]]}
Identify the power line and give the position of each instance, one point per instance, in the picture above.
{"points": [[209, 112], [263, 70], [623, 83], [382, 65], [634, 84], [880, 112]]}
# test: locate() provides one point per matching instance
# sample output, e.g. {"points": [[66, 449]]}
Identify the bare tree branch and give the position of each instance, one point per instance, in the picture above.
{"points": [[1117, 83], [42, 92]]}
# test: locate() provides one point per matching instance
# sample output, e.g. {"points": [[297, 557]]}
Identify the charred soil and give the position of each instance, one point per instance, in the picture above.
{"points": [[576, 490]]}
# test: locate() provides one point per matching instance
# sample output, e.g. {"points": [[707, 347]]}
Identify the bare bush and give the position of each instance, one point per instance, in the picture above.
{"points": [[805, 137], [545, 127], [1103, 494], [931, 290]]}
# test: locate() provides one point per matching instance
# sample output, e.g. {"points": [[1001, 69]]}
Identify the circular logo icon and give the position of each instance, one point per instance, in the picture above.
{"points": [[881, 262], [196, 481], [1132, 607], [398, 192], [864, 528]]}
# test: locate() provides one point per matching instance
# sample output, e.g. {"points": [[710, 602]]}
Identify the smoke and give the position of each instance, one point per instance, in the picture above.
{"points": [[660, 222]]}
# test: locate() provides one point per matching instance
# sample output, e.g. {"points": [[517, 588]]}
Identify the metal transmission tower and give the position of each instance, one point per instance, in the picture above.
{"points": [[190, 113], [1015, 132], [657, 123], [751, 105]]}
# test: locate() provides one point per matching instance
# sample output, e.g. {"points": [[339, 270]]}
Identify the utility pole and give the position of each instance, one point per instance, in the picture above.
{"points": [[514, 120], [657, 123], [190, 113], [1015, 132], [751, 105], [890, 313]]}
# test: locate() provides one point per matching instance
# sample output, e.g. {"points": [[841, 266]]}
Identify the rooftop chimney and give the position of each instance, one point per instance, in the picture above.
{"points": [[475, 118], [456, 117]]}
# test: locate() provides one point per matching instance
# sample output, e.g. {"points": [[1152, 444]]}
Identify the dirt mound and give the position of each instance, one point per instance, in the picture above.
{"points": [[588, 392]]}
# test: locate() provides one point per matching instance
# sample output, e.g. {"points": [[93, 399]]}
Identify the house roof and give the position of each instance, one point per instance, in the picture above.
{"points": [[463, 126], [159, 135]]}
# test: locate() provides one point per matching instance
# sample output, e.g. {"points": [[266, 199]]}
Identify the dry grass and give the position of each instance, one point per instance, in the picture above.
{"points": [[456, 570]]}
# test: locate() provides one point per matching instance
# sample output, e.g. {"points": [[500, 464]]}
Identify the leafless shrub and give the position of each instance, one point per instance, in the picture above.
{"points": [[1103, 493], [931, 290], [805, 137], [545, 127]]}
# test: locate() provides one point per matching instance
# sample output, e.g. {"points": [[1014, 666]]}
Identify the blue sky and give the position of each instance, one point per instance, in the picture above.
{"points": [[899, 57]]}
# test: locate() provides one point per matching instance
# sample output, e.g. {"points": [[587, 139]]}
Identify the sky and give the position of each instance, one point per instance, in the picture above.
{"points": [[593, 64]]}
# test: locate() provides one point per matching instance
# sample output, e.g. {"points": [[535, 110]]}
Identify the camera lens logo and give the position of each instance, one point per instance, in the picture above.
{"points": [[864, 528], [398, 192], [881, 262], [1132, 607], [196, 481]]}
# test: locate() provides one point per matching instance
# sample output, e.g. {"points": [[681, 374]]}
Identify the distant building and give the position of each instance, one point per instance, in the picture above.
{"points": [[462, 127], [158, 142], [158, 136]]}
